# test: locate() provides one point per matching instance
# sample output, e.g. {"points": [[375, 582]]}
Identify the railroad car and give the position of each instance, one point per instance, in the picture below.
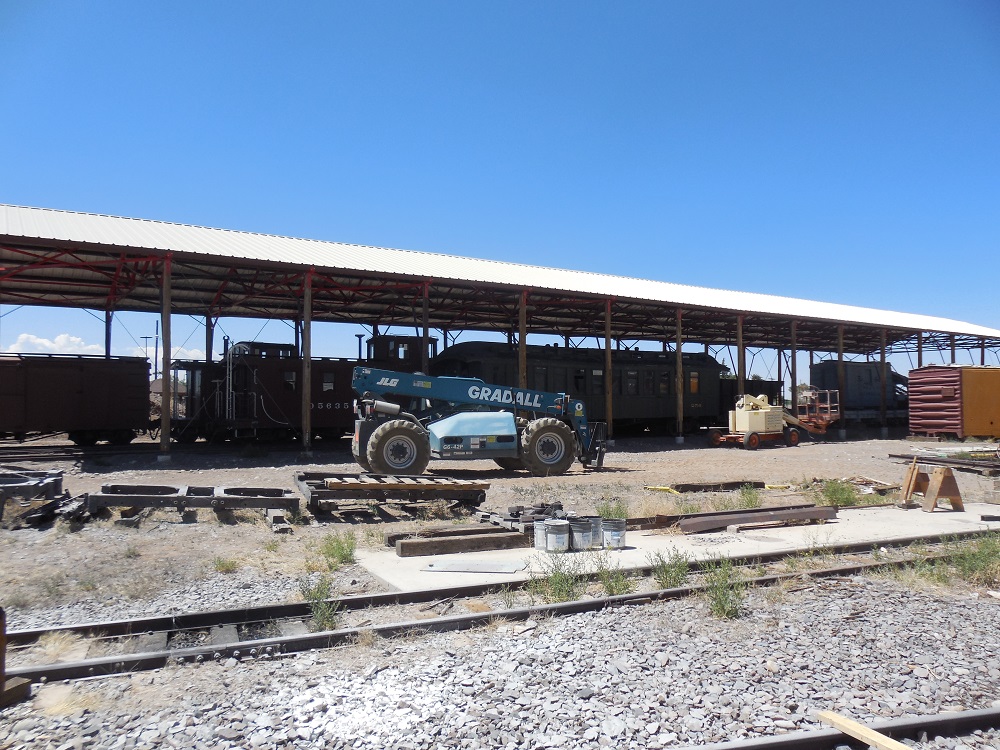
{"points": [[254, 392], [863, 380], [643, 383], [955, 401], [89, 397]]}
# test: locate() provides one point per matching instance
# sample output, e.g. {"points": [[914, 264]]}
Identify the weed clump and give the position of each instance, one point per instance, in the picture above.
{"points": [[724, 588], [317, 594], [838, 493], [338, 549], [561, 579], [749, 497], [669, 571], [613, 507], [225, 564], [612, 578]]}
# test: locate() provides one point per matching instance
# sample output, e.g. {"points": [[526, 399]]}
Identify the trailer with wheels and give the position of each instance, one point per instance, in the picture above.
{"points": [[406, 420], [755, 421]]}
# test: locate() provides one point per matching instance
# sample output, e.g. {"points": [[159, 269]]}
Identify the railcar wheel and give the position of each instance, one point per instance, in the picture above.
{"points": [[549, 447], [751, 441], [715, 438], [398, 447], [510, 463], [121, 437], [83, 439], [792, 437]]}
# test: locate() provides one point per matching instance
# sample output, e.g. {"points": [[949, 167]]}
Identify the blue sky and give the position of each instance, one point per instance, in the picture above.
{"points": [[845, 151]]}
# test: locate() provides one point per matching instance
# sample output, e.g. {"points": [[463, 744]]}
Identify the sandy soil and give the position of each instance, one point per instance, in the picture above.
{"points": [[65, 564]]}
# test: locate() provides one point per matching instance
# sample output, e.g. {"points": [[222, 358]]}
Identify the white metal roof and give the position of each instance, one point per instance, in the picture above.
{"points": [[99, 229]]}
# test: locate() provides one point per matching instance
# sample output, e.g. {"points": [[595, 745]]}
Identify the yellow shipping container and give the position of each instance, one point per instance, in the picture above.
{"points": [[981, 401]]}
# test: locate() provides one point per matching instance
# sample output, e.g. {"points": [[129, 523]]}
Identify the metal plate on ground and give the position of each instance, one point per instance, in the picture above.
{"points": [[472, 566]]}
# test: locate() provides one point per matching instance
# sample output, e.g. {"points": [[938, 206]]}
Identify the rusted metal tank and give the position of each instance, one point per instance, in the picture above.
{"points": [[955, 400]]}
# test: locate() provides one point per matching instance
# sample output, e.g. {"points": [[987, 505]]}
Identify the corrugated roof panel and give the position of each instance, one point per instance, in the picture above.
{"points": [[50, 224]]}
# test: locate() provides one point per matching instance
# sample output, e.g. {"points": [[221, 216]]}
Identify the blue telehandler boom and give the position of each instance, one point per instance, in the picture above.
{"points": [[407, 419]]}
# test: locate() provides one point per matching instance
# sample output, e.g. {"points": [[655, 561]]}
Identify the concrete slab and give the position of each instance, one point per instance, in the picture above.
{"points": [[853, 526]]}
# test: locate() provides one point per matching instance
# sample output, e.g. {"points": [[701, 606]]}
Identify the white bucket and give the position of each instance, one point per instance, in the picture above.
{"points": [[556, 535], [540, 535], [614, 533]]}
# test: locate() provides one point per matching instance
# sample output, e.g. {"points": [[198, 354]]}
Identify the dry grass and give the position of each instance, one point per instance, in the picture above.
{"points": [[57, 647]]}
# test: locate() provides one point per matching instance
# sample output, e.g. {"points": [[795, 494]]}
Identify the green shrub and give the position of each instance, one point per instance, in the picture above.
{"points": [[225, 564], [749, 497]]}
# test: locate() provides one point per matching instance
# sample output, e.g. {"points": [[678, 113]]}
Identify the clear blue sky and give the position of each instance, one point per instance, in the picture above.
{"points": [[843, 151]]}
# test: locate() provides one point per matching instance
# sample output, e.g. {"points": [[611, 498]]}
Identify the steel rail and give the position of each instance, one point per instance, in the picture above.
{"points": [[949, 724], [268, 647], [267, 613]]}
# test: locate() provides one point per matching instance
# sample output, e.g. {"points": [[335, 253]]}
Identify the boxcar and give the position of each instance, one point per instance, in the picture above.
{"points": [[862, 400], [91, 398], [955, 400]]}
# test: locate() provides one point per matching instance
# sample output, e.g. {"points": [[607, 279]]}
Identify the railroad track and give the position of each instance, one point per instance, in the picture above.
{"points": [[21, 452], [270, 631]]}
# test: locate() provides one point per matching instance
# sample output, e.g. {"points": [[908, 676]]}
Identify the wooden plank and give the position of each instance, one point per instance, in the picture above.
{"points": [[466, 543], [722, 520], [860, 731], [391, 537]]}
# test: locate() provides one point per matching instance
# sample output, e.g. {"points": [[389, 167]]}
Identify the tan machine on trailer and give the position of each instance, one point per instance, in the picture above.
{"points": [[755, 420]]}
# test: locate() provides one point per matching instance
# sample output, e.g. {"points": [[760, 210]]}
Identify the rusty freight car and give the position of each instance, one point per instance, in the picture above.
{"points": [[91, 398], [955, 401]]}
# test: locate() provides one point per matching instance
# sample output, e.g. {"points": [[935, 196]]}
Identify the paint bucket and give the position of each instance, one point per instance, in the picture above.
{"points": [[614, 533], [596, 532], [539, 535], [556, 535], [581, 534]]}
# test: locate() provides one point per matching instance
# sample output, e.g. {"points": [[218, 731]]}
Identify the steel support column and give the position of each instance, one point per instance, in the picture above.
{"points": [[781, 379], [307, 295], [679, 376], [741, 358], [982, 352], [209, 336], [841, 378], [109, 316], [882, 379], [166, 391], [425, 333], [951, 339], [608, 378], [522, 334], [920, 348], [793, 367]]}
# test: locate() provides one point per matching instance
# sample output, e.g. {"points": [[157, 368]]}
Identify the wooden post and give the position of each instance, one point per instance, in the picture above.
{"points": [[882, 378], [982, 352], [522, 334], [306, 394], [108, 318], [841, 378], [794, 368], [608, 405], [166, 394], [679, 376], [954, 359], [920, 348], [741, 358], [425, 333], [781, 378]]}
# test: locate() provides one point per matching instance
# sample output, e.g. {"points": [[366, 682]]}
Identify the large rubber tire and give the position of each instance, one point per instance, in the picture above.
{"points": [[792, 437], [548, 447], [398, 447], [510, 463], [363, 463], [715, 438], [751, 441]]}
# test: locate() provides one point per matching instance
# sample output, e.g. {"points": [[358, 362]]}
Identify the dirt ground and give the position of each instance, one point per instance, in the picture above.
{"points": [[64, 564]]}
